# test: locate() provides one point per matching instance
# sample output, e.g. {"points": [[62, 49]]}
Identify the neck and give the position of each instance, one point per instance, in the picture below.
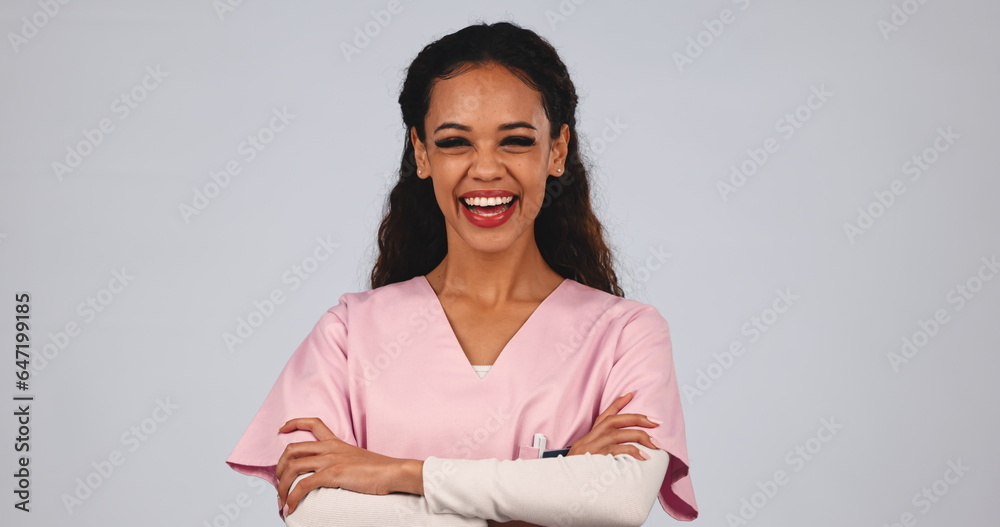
{"points": [[491, 278]]}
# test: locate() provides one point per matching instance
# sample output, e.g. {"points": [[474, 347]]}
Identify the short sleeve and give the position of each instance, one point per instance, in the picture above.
{"points": [[314, 383], [644, 363]]}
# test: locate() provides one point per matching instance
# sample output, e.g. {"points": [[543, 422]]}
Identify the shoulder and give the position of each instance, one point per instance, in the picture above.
{"points": [[384, 302], [629, 327], [595, 304]]}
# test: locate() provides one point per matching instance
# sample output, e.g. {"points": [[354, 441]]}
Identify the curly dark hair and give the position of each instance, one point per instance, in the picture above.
{"points": [[412, 238]]}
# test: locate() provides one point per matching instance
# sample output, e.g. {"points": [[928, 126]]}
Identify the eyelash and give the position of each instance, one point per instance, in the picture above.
{"points": [[513, 141]]}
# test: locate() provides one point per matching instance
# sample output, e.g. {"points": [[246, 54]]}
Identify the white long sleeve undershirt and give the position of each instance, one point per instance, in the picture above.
{"points": [[584, 490]]}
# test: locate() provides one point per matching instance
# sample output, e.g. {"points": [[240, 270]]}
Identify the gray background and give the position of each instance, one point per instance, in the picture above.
{"points": [[680, 132]]}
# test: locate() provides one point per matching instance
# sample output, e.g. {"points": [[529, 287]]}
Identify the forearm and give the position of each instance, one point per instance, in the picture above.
{"points": [[330, 507], [587, 490]]}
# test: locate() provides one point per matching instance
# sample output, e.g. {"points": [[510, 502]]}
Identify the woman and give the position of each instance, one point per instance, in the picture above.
{"points": [[489, 249]]}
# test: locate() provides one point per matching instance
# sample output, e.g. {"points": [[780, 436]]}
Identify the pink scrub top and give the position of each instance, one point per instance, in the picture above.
{"points": [[385, 372]]}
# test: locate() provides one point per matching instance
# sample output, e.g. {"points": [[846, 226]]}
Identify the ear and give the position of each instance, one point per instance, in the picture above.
{"points": [[559, 151], [419, 154]]}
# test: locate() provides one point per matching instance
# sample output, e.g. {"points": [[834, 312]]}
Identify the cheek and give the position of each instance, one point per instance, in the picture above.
{"points": [[534, 199], [443, 196], [444, 162]]}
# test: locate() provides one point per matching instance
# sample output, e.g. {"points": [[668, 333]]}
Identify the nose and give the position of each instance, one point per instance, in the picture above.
{"points": [[486, 166]]}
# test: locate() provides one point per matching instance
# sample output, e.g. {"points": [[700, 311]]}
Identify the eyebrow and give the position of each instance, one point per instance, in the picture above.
{"points": [[502, 127]]}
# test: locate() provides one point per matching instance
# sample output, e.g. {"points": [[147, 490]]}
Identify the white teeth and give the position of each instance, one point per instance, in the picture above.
{"points": [[488, 202]]}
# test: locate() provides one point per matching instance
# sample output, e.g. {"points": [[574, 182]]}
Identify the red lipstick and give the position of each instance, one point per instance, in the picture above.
{"points": [[487, 216]]}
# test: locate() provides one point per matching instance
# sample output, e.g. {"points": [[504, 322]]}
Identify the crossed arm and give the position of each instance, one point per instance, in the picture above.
{"points": [[601, 482], [584, 490]]}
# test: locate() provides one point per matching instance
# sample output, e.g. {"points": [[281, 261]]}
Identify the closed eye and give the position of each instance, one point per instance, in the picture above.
{"points": [[514, 140], [450, 142], [519, 140]]}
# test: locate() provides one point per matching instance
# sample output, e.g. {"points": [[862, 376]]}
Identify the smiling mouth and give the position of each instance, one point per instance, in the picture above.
{"points": [[482, 206]]}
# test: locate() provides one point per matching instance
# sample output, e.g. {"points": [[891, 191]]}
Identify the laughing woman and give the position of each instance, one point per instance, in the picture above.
{"points": [[482, 377]]}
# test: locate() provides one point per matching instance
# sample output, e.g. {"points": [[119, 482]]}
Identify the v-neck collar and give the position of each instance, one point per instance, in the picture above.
{"points": [[446, 324]]}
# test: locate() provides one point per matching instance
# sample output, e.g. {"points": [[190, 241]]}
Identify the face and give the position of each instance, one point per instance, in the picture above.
{"points": [[487, 134]]}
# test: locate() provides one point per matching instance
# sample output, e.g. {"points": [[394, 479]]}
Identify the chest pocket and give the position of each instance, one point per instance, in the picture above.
{"points": [[527, 452]]}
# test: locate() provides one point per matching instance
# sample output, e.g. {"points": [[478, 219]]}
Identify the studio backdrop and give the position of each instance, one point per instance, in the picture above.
{"points": [[807, 191]]}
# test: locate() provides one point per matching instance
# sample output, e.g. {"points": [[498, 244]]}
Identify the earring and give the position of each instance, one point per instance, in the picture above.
{"points": [[558, 170]]}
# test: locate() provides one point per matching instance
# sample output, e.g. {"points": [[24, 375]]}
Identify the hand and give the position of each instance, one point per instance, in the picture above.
{"points": [[335, 463], [606, 437]]}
